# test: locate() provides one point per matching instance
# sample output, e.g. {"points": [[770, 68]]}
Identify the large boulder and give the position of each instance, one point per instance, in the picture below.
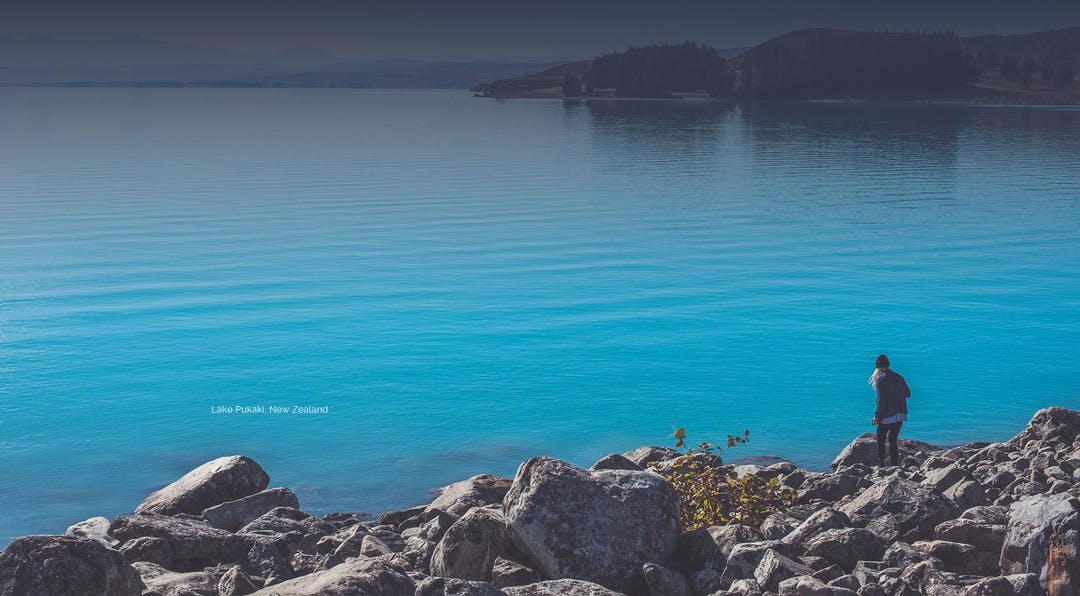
{"points": [[775, 568], [898, 509], [599, 526], [213, 483], [359, 576], [233, 515], [477, 491], [1032, 522], [987, 537], [192, 543], [863, 450], [959, 557], [745, 558], [469, 548], [846, 546], [1056, 425], [821, 520], [48, 565]]}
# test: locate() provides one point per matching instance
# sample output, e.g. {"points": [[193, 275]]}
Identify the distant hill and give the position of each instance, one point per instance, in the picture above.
{"points": [[1054, 46], [835, 63], [842, 63]]}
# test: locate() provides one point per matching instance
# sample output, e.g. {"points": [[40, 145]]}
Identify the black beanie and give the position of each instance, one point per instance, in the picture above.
{"points": [[882, 361]]}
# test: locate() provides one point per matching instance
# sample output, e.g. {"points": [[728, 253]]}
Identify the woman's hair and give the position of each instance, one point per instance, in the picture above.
{"points": [[880, 365]]}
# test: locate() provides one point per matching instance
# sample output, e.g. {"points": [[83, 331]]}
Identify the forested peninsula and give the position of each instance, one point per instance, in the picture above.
{"points": [[825, 64]]}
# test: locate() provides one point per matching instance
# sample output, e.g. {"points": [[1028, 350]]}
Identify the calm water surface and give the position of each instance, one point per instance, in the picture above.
{"points": [[466, 283]]}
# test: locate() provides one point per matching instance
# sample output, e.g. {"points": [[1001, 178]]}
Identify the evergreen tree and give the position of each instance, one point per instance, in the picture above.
{"points": [[1064, 74], [571, 86]]}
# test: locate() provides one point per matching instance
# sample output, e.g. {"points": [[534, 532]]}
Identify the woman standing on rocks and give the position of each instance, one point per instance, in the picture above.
{"points": [[891, 410]]}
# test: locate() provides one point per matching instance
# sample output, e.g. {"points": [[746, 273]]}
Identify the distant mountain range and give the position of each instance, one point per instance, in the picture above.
{"points": [[141, 61]]}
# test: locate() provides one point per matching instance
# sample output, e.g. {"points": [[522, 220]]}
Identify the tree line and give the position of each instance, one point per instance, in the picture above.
{"points": [[656, 71], [846, 63]]}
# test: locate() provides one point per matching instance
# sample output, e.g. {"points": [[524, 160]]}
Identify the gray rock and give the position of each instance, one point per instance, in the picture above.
{"points": [[213, 483], [371, 546], [942, 479], [47, 565], [775, 568], [982, 536], [236, 582], [150, 549], [778, 525], [615, 461], [599, 526], [356, 576], [926, 578], [398, 517], [959, 557], [1025, 584], [702, 554], [867, 572], [233, 515], [477, 491], [95, 528], [745, 558], [744, 587], [821, 520], [966, 494], [163, 582], [267, 556], [872, 589], [846, 546], [446, 586], [471, 545], [805, 585], [863, 450], [194, 544], [827, 574], [831, 487], [902, 554], [1031, 523], [993, 515], [649, 454], [848, 582], [507, 572], [561, 587], [301, 527], [898, 509], [662, 581], [1049, 425], [990, 586]]}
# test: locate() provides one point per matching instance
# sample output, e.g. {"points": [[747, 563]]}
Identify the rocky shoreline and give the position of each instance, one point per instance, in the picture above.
{"points": [[979, 519]]}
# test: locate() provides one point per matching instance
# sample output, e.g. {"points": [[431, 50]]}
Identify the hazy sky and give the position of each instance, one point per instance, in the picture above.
{"points": [[506, 29]]}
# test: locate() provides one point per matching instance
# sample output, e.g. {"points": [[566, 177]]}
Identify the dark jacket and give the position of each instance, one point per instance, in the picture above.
{"points": [[892, 393]]}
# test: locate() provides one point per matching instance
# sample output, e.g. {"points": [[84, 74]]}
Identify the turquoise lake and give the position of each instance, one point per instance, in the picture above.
{"points": [[465, 283]]}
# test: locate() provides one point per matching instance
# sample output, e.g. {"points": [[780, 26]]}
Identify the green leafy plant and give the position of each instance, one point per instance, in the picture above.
{"points": [[712, 494]]}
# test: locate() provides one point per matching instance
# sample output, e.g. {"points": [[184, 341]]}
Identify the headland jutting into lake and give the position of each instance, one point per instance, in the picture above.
{"points": [[940, 66], [975, 519]]}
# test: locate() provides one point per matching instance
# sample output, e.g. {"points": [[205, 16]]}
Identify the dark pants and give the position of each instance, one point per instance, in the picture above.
{"points": [[890, 432]]}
